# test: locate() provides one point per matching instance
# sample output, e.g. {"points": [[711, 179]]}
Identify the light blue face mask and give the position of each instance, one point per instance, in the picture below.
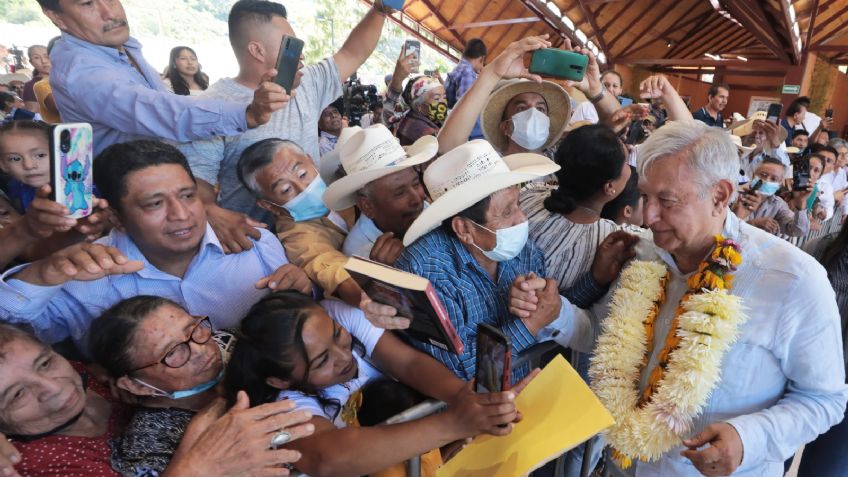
{"points": [[509, 242], [200, 388], [309, 204], [767, 188]]}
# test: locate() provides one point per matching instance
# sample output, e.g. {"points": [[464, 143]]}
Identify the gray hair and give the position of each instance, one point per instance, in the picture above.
{"points": [[259, 155], [838, 142], [707, 150]]}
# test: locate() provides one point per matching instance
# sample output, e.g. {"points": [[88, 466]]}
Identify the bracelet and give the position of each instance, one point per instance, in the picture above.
{"points": [[597, 97]]}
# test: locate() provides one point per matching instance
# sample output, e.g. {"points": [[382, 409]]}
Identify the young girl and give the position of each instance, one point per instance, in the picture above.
{"points": [[320, 355], [25, 159]]}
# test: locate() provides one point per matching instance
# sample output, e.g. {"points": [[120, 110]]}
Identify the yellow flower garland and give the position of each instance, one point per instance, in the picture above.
{"points": [[705, 326]]}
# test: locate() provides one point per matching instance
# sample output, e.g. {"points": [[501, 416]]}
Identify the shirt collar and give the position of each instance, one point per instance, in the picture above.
{"points": [[730, 231], [369, 228], [131, 44], [127, 245]]}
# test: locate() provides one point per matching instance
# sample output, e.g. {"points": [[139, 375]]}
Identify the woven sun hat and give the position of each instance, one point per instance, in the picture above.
{"points": [[367, 155], [746, 126], [559, 109], [468, 174]]}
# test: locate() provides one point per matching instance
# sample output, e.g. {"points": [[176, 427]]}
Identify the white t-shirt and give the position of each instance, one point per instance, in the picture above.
{"points": [[584, 111], [354, 321], [826, 196]]}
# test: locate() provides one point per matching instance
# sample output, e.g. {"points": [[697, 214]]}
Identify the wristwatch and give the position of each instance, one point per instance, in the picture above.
{"points": [[594, 99]]}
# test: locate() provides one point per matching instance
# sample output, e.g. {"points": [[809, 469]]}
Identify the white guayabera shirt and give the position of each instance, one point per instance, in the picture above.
{"points": [[783, 382]]}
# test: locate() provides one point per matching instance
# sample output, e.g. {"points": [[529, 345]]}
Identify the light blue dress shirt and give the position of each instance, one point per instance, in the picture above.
{"points": [[783, 382], [99, 85], [215, 284], [360, 240]]}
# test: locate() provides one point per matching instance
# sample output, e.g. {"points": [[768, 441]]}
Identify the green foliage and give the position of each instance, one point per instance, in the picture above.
{"points": [[22, 12]]}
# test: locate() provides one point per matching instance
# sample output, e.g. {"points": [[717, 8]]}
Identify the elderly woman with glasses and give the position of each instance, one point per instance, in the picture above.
{"points": [[62, 422]]}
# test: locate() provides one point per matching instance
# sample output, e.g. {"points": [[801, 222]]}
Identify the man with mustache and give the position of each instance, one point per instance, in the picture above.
{"points": [[101, 77]]}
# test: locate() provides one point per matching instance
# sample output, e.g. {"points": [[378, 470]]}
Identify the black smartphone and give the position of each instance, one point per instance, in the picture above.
{"points": [[413, 47], [773, 114], [829, 113], [287, 62], [801, 174], [71, 159], [494, 360]]}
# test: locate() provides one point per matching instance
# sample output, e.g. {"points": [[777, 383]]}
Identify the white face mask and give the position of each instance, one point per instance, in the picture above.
{"points": [[530, 129]]}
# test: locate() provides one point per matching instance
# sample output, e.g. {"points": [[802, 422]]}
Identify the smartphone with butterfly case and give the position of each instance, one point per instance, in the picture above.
{"points": [[71, 160]]}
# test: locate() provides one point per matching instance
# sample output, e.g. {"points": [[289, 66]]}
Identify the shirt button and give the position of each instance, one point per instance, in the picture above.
{"points": [[239, 129]]}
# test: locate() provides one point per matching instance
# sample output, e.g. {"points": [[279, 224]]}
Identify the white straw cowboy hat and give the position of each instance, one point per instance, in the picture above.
{"points": [[468, 174], [746, 126], [737, 141], [367, 155], [559, 109]]}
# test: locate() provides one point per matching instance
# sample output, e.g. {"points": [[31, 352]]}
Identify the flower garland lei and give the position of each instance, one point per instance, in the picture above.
{"points": [[704, 327]]}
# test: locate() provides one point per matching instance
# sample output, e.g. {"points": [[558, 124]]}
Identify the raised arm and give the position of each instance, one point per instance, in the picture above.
{"points": [[659, 87], [509, 64], [361, 41]]}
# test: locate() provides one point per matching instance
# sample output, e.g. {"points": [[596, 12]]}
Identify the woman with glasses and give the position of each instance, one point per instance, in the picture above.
{"points": [[63, 423]]}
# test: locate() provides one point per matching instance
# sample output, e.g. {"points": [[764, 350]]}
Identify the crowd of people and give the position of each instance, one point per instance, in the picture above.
{"points": [[200, 320]]}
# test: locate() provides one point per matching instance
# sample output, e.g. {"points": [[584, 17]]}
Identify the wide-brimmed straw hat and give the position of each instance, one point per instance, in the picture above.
{"points": [[559, 109], [745, 127], [468, 174], [365, 156], [737, 141]]}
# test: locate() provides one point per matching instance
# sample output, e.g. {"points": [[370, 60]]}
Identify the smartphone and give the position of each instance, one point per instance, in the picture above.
{"points": [[413, 47], [494, 360], [829, 113], [773, 114], [396, 4], [559, 64], [287, 62], [757, 184], [801, 174], [71, 157]]}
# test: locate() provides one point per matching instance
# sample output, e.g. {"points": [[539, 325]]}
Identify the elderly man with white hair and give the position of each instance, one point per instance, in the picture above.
{"points": [[719, 352]]}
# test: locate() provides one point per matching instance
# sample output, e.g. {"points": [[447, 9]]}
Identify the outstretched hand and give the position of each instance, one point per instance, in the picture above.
{"points": [[510, 63]]}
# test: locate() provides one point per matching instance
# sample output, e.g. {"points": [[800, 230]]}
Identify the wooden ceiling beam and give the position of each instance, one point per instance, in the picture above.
{"points": [[734, 73], [675, 25], [443, 21], [829, 48], [601, 43], [539, 8], [704, 21], [753, 18], [821, 26], [648, 7], [695, 38], [600, 2], [811, 26], [739, 64], [491, 23], [731, 40], [613, 18], [506, 30], [703, 44], [641, 34]]}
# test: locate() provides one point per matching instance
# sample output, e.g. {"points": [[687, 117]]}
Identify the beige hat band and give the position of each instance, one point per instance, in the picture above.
{"points": [[383, 154], [482, 164]]}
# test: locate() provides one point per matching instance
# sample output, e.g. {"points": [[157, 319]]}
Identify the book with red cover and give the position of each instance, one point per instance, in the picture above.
{"points": [[412, 296]]}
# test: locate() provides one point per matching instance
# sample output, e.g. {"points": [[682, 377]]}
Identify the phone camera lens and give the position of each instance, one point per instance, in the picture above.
{"points": [[65, 141]]}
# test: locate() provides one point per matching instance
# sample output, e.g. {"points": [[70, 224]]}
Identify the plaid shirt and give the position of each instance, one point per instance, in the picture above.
{"points": [[470, 295], [461, 78]]}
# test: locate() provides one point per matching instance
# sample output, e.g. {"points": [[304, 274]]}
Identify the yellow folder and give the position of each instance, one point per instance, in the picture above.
{"points": [[559, 412]]}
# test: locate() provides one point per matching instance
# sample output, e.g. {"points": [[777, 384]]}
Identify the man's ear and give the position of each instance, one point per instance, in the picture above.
{"points": [[722, 193], [118, 222], [257, 51], [55, 17], [133, 387], [627, 212], [506, 127], [462, 230], [277, 383], [365, 206]]}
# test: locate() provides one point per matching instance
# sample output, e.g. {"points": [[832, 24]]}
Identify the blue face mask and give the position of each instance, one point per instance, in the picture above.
{"points": [[509, 242], [767, 188], [309, 204], [200, 388]]}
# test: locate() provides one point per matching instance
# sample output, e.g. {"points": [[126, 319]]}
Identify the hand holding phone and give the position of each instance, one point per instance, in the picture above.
{"points": [[413, 47], [773, 114], [829, 113], [494, 360], [558, 63], [71, 177], [801, 174], [288, 61]]}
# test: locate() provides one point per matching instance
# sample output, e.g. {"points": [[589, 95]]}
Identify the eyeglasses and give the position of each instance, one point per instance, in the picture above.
{"points": [[180, 354]]}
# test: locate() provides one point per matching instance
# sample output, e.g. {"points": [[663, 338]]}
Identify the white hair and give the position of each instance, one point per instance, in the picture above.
{"points": [[707, 150]]}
